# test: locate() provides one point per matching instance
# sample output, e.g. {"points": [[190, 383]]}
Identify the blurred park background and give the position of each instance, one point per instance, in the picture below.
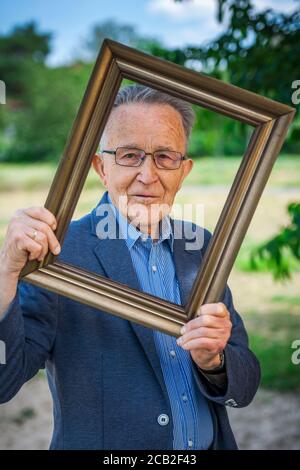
{"points": [[251, 44]]}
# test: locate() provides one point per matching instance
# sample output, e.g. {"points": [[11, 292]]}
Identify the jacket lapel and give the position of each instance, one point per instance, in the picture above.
{"points": [[115, 260], [187, 263], [120, 271]]}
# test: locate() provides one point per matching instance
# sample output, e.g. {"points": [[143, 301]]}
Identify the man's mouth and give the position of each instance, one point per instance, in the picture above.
{"points": [[145, 196]]}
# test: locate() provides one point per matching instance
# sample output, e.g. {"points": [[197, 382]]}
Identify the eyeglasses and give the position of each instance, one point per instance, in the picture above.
{"points": [[133, 157]]}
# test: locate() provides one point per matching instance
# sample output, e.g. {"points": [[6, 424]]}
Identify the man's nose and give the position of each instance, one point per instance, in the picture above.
{"points": [[147, 171]]}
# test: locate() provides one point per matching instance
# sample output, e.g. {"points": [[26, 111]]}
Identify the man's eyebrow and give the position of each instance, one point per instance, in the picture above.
{"points": [[131, 144], [165, 147], [135, 145]]}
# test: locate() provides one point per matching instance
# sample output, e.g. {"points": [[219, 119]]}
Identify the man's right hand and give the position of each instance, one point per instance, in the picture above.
{"points": [[29, 236]]}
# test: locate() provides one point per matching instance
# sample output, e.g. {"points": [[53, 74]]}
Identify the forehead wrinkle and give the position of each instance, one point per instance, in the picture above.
{"points": [[173, 128]]}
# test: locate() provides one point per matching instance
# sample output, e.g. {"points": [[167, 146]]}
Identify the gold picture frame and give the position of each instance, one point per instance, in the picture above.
{"points": [[270, 120]]}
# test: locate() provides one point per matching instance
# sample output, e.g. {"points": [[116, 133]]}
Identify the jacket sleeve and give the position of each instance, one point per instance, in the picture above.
{"points": [[242, 367], [28, 331], [242, 378]]}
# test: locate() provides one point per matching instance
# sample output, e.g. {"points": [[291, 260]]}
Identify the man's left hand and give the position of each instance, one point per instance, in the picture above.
{"points": [[207, 334]]}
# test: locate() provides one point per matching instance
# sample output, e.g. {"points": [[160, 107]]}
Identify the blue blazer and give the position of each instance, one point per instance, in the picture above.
{"points": [[103, 371]]}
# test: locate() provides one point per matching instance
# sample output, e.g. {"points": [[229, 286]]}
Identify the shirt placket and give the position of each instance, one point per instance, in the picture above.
{"points": [[185, 408], [154, 274]]}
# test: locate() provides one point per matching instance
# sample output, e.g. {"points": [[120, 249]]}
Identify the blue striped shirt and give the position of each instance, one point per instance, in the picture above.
{"points": [[154, 266]]}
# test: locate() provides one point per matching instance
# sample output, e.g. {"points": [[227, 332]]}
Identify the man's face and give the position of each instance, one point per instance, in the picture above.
{"points": [[146, 193]]}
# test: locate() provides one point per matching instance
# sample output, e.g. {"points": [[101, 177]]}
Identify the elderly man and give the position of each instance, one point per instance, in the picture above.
{"points": [[116, 384]]}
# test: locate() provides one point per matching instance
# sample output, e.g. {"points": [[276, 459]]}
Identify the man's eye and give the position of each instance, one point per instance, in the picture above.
{"points": [[129, 155], [163, 156]]}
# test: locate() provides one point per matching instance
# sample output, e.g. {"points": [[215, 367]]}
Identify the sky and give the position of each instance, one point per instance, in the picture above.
{"points": [[175, 24]]}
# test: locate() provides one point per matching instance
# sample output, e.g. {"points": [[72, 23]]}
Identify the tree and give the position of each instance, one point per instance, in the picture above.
{"points": [[20, 50], [41, 101], [124, 33], [275, 252], [260, 51]]}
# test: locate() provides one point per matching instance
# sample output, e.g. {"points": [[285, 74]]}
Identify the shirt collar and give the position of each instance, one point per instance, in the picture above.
{"points": [[133, 234]]}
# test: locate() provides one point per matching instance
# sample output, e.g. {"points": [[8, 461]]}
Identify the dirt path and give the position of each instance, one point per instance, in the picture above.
{"points": [[270, 422]]}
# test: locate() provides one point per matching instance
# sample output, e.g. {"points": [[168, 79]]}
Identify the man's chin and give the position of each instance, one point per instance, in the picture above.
{"points": [[147, 214], [145, 200]]}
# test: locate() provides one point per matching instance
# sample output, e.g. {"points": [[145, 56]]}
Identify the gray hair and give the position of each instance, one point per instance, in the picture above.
{"points": [[143, 94]]}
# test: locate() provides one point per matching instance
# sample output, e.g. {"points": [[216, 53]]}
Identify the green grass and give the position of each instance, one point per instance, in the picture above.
{"points": [[271, 336], [295, 300], [25, 177], [278, 371], [206, 171], [222, 170]]}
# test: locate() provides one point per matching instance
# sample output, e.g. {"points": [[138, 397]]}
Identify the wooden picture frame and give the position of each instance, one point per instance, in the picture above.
{"points": [[270, 121]]}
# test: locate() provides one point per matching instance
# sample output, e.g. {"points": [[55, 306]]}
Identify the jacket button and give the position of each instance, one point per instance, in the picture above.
{"points": [[163, 419], [231, 402]]}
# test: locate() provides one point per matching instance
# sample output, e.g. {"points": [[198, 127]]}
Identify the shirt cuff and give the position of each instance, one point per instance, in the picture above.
{"points": [[220, 380]]}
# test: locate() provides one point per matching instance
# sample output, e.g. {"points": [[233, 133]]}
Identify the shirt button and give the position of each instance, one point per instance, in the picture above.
{"points": [[154, 268], [172, 353], [190, 443], [184, 397], [163, 419]]}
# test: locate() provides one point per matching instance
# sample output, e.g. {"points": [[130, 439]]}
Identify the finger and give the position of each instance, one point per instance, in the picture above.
{"points": [[208, 344], [217, 309], [30, 246], [44, 228], [41, 239], [201, 332], [208, 321], [43, 214]]}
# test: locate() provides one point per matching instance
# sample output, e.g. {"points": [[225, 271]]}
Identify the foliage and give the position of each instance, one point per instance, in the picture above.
{"points": [[38, 131], [259, 51], [278, 371], [273, 252], [42, 101], [125, 33], [19, 50]]}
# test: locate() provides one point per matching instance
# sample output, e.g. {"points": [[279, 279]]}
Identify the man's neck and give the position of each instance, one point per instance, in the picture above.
{"points": [[152, 230]]}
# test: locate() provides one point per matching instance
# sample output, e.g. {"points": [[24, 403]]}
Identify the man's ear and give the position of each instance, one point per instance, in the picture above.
{"points": [[187, 168], [98, 165]]}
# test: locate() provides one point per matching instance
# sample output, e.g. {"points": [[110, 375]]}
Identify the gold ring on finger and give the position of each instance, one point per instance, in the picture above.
{"points": [[34, 234]]}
